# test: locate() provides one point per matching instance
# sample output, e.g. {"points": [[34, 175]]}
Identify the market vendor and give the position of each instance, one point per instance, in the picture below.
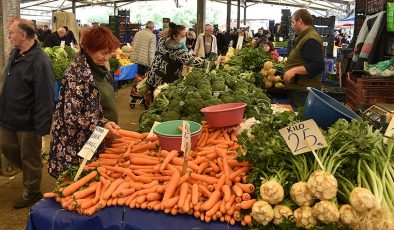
{"points": [[86, 100], [55, 38], [170, 58], [305, 62]]}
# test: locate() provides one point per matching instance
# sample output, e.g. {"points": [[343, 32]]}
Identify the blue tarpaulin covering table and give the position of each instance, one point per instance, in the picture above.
{"points": [[127, 72], [47, 214]]}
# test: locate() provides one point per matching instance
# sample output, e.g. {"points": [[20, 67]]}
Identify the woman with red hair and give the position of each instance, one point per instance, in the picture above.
{"points": [[86, 100], [270, 49]]}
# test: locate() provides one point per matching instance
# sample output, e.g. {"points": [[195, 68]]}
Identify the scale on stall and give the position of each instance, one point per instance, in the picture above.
{"points": [[379, 115]]}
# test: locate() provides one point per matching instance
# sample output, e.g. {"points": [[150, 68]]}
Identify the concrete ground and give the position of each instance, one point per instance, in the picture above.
{"points": [[11, 187]]}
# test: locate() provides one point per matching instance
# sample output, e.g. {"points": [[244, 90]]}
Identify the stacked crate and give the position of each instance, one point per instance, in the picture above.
{"points": [[325, 27]]}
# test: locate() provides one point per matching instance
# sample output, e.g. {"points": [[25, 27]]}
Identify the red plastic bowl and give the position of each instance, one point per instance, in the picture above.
{"points": [[223, 115]]}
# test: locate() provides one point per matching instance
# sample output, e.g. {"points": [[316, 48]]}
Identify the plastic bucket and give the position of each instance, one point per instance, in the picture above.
{"points": [[170, 137], [325, 110], [223, 115]]}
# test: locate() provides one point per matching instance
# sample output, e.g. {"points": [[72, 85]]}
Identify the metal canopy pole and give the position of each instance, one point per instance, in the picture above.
{"points": [[73, 7], [115, 9], [245, 13], [228, 19], [238, 13], [200, 15]]}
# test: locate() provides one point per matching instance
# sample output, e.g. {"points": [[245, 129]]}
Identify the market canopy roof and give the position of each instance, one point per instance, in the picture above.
{"points": [[45, 7]]}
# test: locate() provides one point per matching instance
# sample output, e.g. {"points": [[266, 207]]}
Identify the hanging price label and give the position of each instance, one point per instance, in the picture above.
{"points": [[186, 144], [299, 135], [151, 133]]}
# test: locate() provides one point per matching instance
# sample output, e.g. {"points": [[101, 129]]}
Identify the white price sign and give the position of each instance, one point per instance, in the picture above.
{"points": [[239, 42], [186, 144], [93, 143], [62, 44], [186, 137], [299, 135], [390, 130], [151, 133]]}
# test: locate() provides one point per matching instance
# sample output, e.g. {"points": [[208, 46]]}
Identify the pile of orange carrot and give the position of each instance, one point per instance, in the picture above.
{"points": [[135, 172]]}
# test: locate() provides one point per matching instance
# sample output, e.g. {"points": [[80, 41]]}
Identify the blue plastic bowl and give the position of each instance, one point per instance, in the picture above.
{"points": [[325, 110]]}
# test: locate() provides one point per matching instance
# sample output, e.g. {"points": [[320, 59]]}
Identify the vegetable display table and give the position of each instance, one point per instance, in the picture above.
{"points": [[47, 214], [127, 72]]}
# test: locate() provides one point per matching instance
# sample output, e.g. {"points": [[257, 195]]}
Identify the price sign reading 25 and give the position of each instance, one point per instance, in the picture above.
{"points": [[297, 136]]}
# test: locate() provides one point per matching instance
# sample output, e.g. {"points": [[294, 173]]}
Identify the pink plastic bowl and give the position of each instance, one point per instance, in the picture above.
{"points": [[174, 143], [223, 115]]}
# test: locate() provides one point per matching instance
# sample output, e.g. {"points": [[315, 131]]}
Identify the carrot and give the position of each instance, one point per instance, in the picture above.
{"points": [[233, 137], [195, 194], [143, 161], [197, 207], [144, 146], [246, 196], [248, 188], [247, 219], [179, 161], [153, 196], [226, 170], [136, 167], [214, 209], [244, 179], [183, 193], [220, 182], [210, 188], [205, 191], [238, 172], [234, 163], [110, 162], [221, 152], [208, 218], [48, 195], [171, 186], [171, 202], [237, 190], [201, 139], [125, 192], [168, 159], [187, 205], [212, 156], [140, 199], [85, 192], [214, 166], [227, 192], [247, 204], [109, 156], [92, 210], [211, 201], [152, 204], [231, 210], [222, 208], [114, 185], [231, 202], [78, 184], [180, 128], [232, 221], [214, 135], [127, 133], [202, 167], [197, 214], [238, 199], [208, 179]]}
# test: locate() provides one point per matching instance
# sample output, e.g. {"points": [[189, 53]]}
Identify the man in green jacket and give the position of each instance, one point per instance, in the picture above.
{"points": [[305, 62]]}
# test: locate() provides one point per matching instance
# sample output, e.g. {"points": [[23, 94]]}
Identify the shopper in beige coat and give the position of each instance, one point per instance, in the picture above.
{"points": [[206, 43], [144, 48]]}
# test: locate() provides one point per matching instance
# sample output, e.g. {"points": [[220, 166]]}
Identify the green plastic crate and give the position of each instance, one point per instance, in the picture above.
{"points": [[390, 17]]}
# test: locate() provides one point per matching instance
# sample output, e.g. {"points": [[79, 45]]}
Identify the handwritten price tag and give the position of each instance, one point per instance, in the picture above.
{"points": [[299, 135], [240, 42], [90, 147], [93, 143], [62, 44], [186, 144]]}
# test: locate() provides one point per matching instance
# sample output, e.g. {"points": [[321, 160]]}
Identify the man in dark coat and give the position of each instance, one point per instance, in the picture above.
{"points": [[26, 107], [55, 38], [69, 37]]}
